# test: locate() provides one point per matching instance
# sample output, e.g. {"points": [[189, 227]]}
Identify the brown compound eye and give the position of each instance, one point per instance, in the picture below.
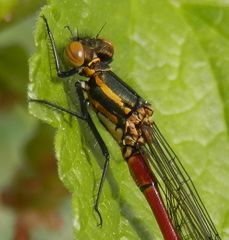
{"points": [[75, 53]]}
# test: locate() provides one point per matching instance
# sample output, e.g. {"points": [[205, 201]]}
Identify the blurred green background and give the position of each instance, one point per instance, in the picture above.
{"points": [[33, 202]]}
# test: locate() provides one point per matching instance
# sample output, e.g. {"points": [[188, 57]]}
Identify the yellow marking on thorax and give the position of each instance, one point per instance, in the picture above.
{"points": [[117, 133], [103, 110], [126, 110], [110, 94]]}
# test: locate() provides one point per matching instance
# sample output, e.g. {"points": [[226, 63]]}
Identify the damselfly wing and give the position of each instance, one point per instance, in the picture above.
{"points": [[183, 203]]}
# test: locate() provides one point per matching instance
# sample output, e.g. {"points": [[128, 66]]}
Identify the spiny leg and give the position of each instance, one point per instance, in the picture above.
{"points": [[57, 107], [102, 145], [85, 116], [60, 73]]}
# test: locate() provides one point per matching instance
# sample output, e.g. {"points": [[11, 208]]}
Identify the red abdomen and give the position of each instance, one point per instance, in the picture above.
{"points": [[147, 182]]}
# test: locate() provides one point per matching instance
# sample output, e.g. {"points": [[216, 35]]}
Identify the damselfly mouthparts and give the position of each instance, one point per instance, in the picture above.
{"points": [[154, 166]]}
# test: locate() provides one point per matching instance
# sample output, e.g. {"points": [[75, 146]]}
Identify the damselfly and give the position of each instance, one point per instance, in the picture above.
{"points": [[153, 165]]}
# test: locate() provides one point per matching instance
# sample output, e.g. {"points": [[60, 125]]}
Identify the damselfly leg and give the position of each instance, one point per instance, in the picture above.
{"points": [[84, 115]]}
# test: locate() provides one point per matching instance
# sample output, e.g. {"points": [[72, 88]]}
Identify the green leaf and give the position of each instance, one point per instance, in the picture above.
{"points": [[175, 54]]}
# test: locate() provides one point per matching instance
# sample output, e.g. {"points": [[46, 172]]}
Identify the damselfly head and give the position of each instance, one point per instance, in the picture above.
{"points": [[81, 51]]}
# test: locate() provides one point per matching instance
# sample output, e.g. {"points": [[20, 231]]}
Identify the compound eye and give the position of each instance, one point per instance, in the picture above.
{"points": [[75, 53]]}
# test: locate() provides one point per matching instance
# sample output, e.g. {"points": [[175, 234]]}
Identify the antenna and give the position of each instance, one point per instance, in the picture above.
{"points": [[69, 29], [100, 30]]}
